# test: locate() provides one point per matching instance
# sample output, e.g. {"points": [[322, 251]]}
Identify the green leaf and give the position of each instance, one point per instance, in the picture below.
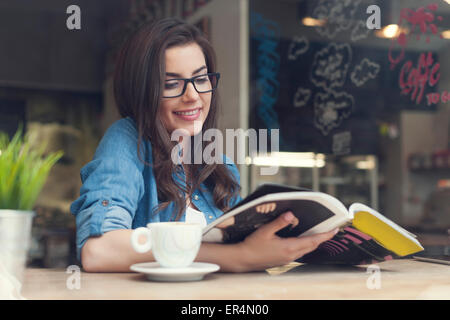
{"points": [[23, 171]]}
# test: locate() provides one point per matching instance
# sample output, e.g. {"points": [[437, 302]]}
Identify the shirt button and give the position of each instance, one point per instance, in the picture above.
{"points": [[196, 197], [210, 216], [105, 203]]}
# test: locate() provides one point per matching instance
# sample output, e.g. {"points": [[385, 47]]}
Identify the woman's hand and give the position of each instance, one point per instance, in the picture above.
{"points": [[264, 249]]}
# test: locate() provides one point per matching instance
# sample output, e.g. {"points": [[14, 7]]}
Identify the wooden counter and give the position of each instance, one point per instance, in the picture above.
{"points": [[398, 279]]}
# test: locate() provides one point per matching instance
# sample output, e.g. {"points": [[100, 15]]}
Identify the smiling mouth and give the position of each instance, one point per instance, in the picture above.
{"points": [[188, 112]]}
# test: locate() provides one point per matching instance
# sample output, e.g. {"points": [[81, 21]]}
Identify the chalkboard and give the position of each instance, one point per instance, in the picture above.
{"points": [[327, 81], [12, 116]]}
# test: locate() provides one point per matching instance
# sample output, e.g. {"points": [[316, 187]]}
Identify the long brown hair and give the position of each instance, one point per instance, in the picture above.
{"points": [[138, 83]]}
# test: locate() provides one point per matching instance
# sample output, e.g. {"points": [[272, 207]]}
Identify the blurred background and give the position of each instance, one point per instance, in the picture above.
{"points": [[363, 113]]}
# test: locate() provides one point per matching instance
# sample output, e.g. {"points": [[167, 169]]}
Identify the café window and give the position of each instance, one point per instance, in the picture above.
{"points": [[360, 92]]}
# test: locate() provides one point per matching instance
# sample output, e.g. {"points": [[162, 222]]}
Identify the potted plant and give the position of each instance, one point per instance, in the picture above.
{"points": [[24, 169]]}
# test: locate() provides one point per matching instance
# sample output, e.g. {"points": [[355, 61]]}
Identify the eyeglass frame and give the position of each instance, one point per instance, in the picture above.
{"points": [[191, 80]]}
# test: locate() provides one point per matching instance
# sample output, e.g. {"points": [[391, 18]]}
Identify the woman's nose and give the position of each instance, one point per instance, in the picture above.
{"points": [[191, 93]]}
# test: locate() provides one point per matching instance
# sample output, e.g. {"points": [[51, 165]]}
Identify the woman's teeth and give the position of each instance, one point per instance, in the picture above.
{"points": [[188, 113]]}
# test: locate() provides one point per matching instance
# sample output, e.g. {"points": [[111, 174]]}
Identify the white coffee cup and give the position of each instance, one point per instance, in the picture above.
{"points": [[173, 244]]}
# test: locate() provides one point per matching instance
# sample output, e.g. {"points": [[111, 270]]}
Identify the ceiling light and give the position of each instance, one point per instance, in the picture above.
{"points": [[312, 22], [389, 31], [365, 165], [289, 159], [446, 34]]}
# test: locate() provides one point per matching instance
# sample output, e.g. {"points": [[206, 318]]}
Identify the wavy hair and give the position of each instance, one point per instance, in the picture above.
{"points": [[139, 77]]}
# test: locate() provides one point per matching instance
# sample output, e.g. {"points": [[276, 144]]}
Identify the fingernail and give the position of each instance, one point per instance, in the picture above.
{"points": [[288, 216], [336, 230]]}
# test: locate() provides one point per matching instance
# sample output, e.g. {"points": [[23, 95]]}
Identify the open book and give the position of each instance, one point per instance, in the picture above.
{"points": [[365, 235]]}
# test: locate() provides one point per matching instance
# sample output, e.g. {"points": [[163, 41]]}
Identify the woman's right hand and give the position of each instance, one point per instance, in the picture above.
{"points": [[264, 249]]}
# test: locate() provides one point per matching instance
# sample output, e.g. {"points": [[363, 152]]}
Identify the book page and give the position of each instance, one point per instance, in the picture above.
{"points": [[314, 212]]}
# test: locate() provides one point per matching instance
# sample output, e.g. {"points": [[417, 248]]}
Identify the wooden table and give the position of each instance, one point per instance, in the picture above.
{"points": [[398, 279]]}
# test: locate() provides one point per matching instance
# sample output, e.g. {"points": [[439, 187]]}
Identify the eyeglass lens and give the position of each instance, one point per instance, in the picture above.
{"points": [[202, 83]]}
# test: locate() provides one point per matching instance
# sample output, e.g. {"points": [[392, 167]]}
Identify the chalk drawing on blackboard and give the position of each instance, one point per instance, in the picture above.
{"points": [[364, 71], [330, 109], [301, 97], [330, 66], [337, 14], [342, 143], [298, 46], [359, 31]]}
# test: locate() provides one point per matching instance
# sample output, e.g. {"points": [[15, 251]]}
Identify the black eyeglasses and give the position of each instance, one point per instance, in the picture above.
{"points": [[203, 83]]}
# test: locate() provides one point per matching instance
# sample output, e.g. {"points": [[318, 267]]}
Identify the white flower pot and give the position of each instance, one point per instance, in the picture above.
{"points": [[15, 235]]}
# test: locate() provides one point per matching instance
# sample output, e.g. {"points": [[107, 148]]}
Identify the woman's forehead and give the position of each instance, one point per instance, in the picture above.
{"points": [[184, 59]]}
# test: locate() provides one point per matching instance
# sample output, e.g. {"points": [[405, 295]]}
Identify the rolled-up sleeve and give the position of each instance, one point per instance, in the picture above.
{"points": [[112, 186]]}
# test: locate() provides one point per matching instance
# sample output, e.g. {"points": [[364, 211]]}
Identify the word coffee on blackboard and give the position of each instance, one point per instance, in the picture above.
{"points": [[415, 76]]}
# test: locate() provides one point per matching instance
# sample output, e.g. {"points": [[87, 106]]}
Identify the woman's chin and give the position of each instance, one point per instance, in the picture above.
{"points": [[193, 132], [194, 128]]}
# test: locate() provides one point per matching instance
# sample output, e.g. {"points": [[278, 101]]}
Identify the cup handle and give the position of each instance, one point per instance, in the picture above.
{"points": [[141, 247]]}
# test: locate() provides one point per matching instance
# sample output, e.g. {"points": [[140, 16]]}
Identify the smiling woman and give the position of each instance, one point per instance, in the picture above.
{"points": [[165, 80], [151, 87]]}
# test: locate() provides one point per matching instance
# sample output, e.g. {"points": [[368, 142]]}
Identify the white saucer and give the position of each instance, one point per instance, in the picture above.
{"points": [[196, 271]]}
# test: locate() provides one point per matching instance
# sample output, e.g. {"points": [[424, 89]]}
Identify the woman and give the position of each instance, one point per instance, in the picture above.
{"points": [[165, 80]]}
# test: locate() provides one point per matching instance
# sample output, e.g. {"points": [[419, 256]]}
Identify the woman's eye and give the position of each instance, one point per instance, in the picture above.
{"points": [[201, 80], [171, 85]]}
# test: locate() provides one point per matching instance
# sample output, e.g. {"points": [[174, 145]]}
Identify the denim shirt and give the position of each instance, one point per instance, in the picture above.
{"points": [[119, 190]]}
